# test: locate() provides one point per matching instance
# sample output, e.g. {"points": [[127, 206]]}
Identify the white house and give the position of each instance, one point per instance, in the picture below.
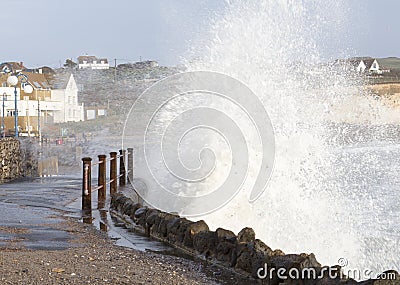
{"points": [[65, 93], [370, 65], [375, 68], [361, 67], [92, 62]]}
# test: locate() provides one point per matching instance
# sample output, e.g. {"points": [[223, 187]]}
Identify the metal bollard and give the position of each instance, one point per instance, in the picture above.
{"points": [[102, 181], [113, 173], [87, 190], [130, 165], [122, 172]]}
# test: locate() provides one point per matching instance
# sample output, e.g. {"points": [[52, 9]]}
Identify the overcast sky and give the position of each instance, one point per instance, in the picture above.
{"points": [[46, 32]]}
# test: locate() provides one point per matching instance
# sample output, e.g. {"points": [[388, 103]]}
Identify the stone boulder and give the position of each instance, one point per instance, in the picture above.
{"points": [[152, 215], [116, 200], [162, 229], [192, 230], [133, 209], [224, 234], [140, 216], [176, 229], [127, 207], [205, 243], [252, 256], [293, 265], [226, 246], [246, 235]]}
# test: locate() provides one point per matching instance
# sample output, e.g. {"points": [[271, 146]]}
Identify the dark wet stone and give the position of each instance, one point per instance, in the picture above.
{"points": [[139, 212], [133, 209], [224, 252], [246, 235], [116, 200], [151, 216], [127, 207], [205, 243], [295, 261], [193, 229], [225, 234], [162, 228]]}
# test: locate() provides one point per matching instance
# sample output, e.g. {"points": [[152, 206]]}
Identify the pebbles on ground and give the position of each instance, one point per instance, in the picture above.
{"points": [[96, 261]]}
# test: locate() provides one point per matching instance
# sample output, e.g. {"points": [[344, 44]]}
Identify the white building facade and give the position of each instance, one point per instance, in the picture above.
{"points": [[62, 106], [69, 110], [92, 62]]}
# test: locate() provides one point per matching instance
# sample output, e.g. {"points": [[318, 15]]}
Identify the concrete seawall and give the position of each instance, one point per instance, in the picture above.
{"points": [[242, 253], [17, 159]]}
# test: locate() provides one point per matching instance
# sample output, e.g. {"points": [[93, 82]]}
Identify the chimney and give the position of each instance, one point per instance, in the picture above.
{"points": [[21, 63]]}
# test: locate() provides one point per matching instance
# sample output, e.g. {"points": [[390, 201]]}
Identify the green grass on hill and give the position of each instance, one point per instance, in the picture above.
{"points": [[390, 62]]}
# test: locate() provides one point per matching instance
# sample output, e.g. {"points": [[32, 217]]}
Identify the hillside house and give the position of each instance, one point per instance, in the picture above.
{"points": [[92, 62], [366, 65]]}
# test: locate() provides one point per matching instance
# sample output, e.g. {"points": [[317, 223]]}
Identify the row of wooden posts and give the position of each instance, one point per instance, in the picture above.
{"points": [[114, 178]]}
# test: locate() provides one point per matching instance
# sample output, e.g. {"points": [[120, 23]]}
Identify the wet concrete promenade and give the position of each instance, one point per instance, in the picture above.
{"points": [[31, 211]]}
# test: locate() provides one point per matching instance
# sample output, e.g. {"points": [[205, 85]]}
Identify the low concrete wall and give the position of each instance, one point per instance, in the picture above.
{"points": [[242, 253], [17, 159]]}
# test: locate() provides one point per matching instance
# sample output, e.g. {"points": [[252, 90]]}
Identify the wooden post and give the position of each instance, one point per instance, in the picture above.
{"points": [[122, 172], [113, 172], [87, 190], [102, 182], [103, 220], [130, 165]]}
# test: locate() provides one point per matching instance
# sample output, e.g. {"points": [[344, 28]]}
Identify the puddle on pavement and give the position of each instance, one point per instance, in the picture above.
{"points": [[122, 236]]}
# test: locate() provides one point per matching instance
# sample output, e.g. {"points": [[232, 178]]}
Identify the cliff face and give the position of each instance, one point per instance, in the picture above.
{"points": [[17, 159]]}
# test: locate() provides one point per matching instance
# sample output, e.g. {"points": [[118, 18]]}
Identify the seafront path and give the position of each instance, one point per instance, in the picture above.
{"points": [[43, 241]]}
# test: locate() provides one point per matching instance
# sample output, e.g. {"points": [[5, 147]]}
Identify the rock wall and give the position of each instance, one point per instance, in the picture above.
{"points": [[10, 159], [17, 159], [242, 253]]}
